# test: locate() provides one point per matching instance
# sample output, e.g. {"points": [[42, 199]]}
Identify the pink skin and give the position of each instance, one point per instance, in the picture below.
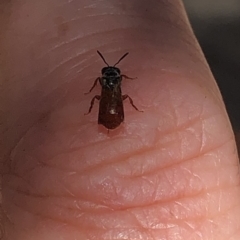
{"points": [[168, 173]]}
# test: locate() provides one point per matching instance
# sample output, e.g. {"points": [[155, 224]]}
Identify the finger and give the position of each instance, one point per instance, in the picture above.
{"points": [[168, 166]]}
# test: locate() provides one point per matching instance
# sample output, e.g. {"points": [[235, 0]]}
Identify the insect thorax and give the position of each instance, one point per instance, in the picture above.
{"points": [[111, 77]]}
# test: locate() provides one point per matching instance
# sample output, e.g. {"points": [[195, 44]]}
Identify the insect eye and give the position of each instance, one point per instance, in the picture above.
{"points": [[104, 70]]}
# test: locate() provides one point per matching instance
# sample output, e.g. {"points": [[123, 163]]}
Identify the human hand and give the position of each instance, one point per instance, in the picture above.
{"points": [[170, 172]]}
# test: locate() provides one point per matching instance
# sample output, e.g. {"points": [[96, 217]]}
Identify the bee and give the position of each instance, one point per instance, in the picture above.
{"points": [[111, 111]]}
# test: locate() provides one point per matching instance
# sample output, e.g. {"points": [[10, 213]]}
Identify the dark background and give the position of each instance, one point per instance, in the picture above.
{"points": [[216, 24]]}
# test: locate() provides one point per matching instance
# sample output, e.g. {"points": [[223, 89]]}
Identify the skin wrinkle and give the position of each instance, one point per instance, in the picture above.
{"points": [[189, 38], [113, 160], [100, 141], [196, 156], [40, 214], [54, 165], [94, 35], [91, 36], [76, 66], [64, 62], [195, 193], [12, 151], [41, 196], [195, 231], [203, 190], [199, 75], [58, 217], [27, 130], [28, 192], [69, 59], [168, 8], [171, 211], [49, 92], [96, 166], [210, 189], [100, 159], [179, 103]]}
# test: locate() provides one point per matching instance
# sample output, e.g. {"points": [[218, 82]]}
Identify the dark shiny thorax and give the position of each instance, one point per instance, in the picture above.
{"points": [[111, 78]]}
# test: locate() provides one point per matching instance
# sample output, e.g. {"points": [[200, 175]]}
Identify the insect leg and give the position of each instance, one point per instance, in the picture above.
{"points": [[126, 77], [94, 85], [92, 103], [131, 102]]}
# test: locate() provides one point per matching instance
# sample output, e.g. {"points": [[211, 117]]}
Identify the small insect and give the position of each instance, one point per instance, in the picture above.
{"points": [[111, 113]]}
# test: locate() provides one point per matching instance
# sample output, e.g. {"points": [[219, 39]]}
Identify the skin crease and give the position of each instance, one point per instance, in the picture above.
{"points": [[168, 173]]}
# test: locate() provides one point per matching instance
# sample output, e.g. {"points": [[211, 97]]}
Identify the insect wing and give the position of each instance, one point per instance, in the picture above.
{"points": [[111, 112]]}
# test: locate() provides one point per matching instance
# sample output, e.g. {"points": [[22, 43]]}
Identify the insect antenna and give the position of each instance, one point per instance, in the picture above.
{"points": [[102, 58], [121, 59]]}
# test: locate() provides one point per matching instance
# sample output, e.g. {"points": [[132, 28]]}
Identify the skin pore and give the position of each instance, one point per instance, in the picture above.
{"points": [[169, 172]]}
